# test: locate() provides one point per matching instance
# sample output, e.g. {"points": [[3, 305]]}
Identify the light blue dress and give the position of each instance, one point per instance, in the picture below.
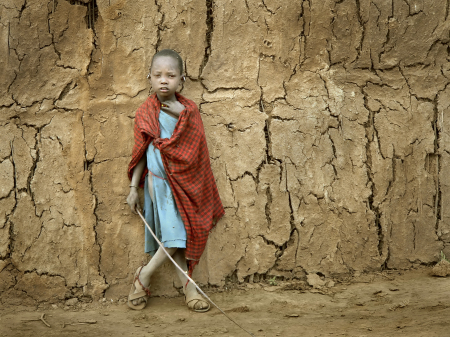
{"points": [[162, 213]]}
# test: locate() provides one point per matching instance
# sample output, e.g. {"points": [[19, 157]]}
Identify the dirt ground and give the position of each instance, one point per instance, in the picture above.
{"points": [[391, 303]]}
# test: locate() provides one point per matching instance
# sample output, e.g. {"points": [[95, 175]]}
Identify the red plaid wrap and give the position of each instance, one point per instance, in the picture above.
{"points": [[186, 161]]}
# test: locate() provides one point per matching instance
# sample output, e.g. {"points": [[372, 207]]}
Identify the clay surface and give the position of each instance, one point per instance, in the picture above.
{"points": [[378, 305], [327, 125], [442, 268]]}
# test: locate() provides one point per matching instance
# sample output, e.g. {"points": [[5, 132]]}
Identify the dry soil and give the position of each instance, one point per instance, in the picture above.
{"points": [[391, 303]]}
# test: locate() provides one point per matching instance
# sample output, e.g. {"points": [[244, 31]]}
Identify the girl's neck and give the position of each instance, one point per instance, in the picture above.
{"points": [[172, 98]]}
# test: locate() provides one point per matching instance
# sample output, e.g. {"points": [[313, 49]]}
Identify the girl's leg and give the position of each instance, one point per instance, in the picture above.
{"points": [[150, 186], [147, 271], [190, 290]]}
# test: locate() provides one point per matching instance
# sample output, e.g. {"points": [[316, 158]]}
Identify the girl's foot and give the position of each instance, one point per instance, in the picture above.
{"points": [[194, 300], [139, 293]]}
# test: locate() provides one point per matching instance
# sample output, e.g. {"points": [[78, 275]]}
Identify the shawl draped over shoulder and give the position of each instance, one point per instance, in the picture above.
{"points": [[186, 161]]}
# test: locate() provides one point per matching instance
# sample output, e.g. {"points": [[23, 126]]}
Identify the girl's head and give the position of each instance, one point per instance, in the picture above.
{"points": [[169, 53], [166, 73]]}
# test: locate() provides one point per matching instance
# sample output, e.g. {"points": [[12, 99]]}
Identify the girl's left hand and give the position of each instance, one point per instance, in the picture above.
{"points": [[133, 200], [173, 108]]}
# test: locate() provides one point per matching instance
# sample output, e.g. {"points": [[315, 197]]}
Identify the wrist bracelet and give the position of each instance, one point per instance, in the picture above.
{"points": [[134, 186]]}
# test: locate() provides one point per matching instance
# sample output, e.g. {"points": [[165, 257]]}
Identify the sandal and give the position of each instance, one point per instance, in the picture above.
{"points": [[144, 293], [193, 301]]}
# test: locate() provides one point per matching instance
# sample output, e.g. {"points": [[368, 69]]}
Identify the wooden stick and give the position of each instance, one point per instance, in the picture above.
{"points": [[43, 320], [90, 321], [37, 319]]}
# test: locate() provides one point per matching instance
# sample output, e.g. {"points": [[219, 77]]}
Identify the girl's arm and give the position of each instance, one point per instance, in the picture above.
{"points": [[133, 197]]}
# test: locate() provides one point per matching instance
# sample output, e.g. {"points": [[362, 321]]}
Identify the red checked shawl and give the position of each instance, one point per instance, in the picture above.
{"points": [[186, 161]]}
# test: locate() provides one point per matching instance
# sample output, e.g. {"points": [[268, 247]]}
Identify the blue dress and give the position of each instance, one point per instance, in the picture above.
{"points": [[162, 213]]}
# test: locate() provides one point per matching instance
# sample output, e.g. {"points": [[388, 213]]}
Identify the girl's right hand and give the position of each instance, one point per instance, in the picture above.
{"points": [[133, 200], [173, 108]]}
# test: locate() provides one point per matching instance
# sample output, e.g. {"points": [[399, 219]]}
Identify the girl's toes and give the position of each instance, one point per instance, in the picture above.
{"points": [[198, 304], [201, 305]]}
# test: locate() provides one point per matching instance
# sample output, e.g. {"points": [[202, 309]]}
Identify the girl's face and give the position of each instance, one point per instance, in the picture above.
{"points": [[165, 77]]}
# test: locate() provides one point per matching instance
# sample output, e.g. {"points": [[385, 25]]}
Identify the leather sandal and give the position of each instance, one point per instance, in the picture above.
{"points": [[144, 293], [193, 301]]}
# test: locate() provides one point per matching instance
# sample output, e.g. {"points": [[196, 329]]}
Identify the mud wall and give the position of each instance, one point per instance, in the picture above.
{"points": [[327, 124]]}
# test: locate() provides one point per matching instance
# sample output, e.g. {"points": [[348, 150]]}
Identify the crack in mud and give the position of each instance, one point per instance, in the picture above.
{"points": [[209, 32]]}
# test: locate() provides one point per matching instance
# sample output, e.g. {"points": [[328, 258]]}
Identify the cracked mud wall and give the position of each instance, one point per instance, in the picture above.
{"points": [[327, 126]]}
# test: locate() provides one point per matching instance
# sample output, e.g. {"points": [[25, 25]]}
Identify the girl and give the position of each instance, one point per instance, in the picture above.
{"points": [[171, 161]]}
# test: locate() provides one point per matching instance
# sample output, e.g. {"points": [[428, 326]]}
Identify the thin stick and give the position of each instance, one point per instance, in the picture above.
{"points": [[43, 320], [190, 279], [37, 320], [80, 323]]}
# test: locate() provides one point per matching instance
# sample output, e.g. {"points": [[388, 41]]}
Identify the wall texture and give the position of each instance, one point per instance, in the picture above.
{"points": [[327, 124]]}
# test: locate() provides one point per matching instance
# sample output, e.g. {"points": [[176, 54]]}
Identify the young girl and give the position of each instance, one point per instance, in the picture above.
{"points": [[171, 161]]}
